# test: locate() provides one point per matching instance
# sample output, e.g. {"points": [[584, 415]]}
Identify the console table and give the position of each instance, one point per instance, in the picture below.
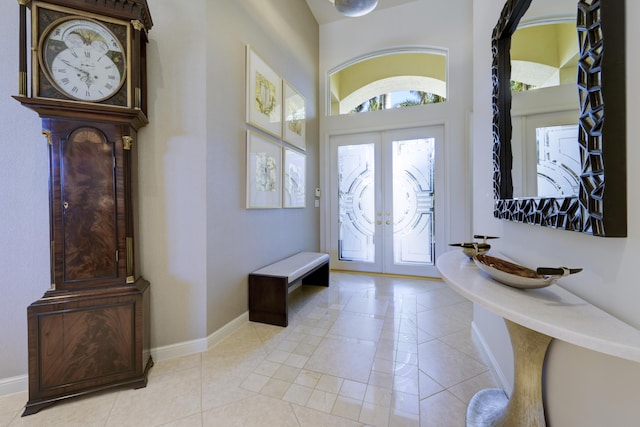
{"points": [[533, 318]]}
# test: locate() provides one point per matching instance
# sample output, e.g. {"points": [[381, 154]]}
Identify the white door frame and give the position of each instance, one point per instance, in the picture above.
{"points": [[384, 234]]}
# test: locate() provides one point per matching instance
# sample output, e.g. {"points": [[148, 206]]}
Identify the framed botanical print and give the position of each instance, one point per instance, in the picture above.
{"points": [[264, 95], [264, 172], [294, 180], [294, 116]]}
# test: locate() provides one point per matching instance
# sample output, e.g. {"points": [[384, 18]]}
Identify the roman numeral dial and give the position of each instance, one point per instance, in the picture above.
{"points": [[83, 59]]}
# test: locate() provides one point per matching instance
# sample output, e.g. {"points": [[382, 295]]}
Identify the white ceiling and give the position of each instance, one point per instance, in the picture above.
{"points": [[324, 10]]}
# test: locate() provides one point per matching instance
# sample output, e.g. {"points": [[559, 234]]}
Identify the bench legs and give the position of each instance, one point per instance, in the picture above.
{"points": [[269, 296], [268, 299], [318, 277]]}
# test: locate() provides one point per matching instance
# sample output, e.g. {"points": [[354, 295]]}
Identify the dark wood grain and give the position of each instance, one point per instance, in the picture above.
{"points": [[89, 220], [86, 341]]}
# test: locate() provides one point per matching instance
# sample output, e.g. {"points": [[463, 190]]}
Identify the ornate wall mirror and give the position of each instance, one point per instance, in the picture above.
{"points": [[598, 203]]}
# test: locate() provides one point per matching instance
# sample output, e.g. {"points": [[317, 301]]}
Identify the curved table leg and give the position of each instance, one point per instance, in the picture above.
{"points": [[491, 407]]}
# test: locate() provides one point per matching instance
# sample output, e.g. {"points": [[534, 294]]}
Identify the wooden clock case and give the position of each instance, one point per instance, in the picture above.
{"points": [[90, 330]]}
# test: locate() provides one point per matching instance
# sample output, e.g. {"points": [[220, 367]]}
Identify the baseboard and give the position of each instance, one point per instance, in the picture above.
{"points": [[494, 367], [21, 383], [14, 385], [203, 344], [227, 329]]}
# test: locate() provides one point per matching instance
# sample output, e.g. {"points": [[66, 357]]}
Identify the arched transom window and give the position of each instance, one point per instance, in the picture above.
{"points": [[390, 79]]}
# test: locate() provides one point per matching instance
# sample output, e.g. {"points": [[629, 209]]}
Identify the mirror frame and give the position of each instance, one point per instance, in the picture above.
{"points": [[599, 209]]}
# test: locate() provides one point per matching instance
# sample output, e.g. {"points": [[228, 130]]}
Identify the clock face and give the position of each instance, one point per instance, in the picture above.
{"points": [[83, 59]]}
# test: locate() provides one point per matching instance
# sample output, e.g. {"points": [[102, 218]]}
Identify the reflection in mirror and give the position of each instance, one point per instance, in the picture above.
{"points": [[525, 123], [544, 52], [531, 112], [544, 65], [558, 160], [548, 164]]}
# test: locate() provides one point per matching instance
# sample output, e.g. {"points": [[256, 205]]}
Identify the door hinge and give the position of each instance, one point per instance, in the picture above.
{"points": [[117, 256]]}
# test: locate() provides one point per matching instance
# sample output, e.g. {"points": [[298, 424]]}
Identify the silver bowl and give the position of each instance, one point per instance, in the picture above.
{"points": [[517, 276]]}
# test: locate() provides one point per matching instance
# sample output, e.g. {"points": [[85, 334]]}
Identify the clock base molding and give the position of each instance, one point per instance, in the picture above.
{"points": [[81, 342]]}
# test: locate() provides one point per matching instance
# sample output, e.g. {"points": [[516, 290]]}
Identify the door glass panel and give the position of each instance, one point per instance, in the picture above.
{"points": [[413, 201], [356, 202]]}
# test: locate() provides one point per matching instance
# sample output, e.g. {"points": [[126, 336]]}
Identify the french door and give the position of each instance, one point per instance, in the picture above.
{"points": [[384, 215]]}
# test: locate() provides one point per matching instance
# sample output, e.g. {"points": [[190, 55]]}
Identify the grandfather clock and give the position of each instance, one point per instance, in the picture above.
{"points": [[90, 330]]}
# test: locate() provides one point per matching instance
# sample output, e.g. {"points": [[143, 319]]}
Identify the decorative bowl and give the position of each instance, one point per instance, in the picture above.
{"points": [[517, 276], [473, 248]]}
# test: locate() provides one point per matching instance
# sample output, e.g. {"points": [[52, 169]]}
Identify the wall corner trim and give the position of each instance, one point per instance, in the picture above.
{"points": [[199, 345], [494, 367]]}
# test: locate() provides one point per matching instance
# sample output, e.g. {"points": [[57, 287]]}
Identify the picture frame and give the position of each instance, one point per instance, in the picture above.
{"points": [[293, 116], [294, 179], [264, 172], [264, 94]]}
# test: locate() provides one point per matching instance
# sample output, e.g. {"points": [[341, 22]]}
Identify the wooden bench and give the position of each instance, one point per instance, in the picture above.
{"points": [[269, 286]]}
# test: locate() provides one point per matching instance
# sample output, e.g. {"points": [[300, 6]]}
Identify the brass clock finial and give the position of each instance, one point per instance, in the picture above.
{"points": [[138, 25], [24, 2], [127, 142], [47, 134]]}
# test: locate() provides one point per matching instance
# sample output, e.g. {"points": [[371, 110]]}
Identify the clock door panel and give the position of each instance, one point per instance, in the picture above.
{"points": [[89, 218]]}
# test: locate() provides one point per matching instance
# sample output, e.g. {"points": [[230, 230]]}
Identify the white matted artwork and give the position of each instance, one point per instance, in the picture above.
{"points": [[264, 172], [264, 95], [294, 178], [294, 116]]}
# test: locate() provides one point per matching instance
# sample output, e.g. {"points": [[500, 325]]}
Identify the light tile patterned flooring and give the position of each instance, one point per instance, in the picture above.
{"points": [[369, 350]]}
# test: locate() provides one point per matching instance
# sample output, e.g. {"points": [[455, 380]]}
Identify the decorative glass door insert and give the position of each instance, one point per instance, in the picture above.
{"points": [[356, 190], [384, 194], [413, 201]]}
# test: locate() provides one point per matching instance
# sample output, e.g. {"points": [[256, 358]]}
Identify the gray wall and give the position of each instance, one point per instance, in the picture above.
{"points": [[199, 241], [172, 172], [239, 241]]}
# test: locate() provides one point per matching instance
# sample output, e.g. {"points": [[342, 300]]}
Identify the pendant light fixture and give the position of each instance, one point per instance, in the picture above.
{"points": [[355, 8]]}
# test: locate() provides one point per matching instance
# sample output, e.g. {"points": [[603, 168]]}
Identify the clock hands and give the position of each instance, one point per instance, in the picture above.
{"points": [[80, 70], [86, 76]]}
